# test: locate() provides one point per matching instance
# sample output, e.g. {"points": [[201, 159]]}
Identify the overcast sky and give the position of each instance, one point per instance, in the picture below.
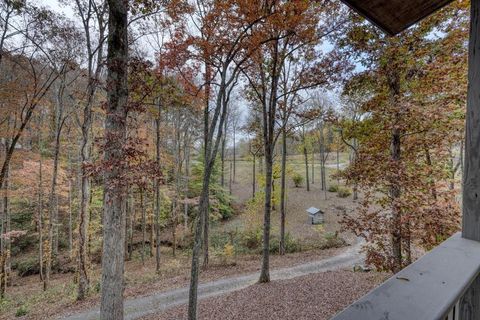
{"points": [[69, 13]]}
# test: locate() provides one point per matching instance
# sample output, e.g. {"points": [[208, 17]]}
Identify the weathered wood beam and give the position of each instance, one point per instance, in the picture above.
{"points": [[394, 16], [471, 179]]}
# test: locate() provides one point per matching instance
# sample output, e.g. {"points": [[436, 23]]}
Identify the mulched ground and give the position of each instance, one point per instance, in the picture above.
{"points": [[317, 296]]}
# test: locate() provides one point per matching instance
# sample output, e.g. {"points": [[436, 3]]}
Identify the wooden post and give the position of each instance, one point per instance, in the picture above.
{"points": [[470, 302], [471, 179]]}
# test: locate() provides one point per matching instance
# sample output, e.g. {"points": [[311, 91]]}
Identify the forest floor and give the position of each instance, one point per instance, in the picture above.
{"points": [[161, 301], [316, 296], [26, 296]]}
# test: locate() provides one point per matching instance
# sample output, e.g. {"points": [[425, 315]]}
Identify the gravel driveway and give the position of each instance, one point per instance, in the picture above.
{"points": [[142, 306]]}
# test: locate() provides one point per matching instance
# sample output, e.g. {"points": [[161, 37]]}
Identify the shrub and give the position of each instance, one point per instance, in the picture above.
{"points": [[333, 188], [221, 200], [297, 180], [219, 240], [97, 287], [291, 245], [332, 240], [344, 192], [252, 239], [21, 311], [26, 267]]}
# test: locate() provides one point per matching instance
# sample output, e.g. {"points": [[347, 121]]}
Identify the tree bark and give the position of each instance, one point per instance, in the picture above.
{"points": [[144, 225], [115, 134], [207, 143], [157, 189], [128, 214], [313, 165], [131, 223], [94, 52], [254, 174], [70, 219], [151, 222], [305, 155], [396, 211], [206, 227], [321, 142], [5, 257], [222, 155], [199, 221], [230, 177], [211, 146], [355, 184], [40, 217], [187, 181], [265, 272], [53, 205], [283, 212], [234, 153], [174, 226]]}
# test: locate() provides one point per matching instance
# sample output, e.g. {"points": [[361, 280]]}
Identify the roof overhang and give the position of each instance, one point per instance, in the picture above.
{"points": [[394, 16]]}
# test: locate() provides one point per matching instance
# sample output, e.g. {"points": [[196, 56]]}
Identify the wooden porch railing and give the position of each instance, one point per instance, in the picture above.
{"points": [[442, 285]]}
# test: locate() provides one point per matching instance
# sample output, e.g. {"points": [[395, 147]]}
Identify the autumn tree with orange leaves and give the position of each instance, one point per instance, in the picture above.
{"points": [[409, 129]]}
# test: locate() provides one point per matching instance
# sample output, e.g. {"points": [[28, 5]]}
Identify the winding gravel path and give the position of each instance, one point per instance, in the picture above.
{"points": [[141, 306]]}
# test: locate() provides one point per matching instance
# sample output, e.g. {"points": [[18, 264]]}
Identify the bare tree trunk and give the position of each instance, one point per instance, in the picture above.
{"points": [[84, 216], [428, 160], [40, 218], [321, 141], [305, 154], [6, 263], [128, 214], [8, 219], [338, 165], [173, 214], [254, 173], [53, 205], [206, 214], [151, 222], [131, 224], [187, 181], [396, 213], [222, 155], [283, 212], [70, 209], [144, 222], [94, 52], [115, 133], [265, 272], [199, 221], [157, 191], [230, 177], [313, 165], [206, 244], [325, 179], [234, 154], [211, 146], [355, 184]]}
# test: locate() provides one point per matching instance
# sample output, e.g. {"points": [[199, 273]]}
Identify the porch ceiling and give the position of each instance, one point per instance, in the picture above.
{"points": [[394, 16]]}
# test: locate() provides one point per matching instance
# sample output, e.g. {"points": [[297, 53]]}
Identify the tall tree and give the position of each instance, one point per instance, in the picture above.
{"points": [[396, 141], [93, 15], [291, 31], [115, 140]]}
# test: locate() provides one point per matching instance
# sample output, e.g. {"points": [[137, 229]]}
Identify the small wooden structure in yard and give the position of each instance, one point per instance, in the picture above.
{"points": [[316, 215], [445, 283]]}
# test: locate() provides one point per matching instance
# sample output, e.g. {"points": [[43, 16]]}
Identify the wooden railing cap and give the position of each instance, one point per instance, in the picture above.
{"points": [[425, 290]]}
